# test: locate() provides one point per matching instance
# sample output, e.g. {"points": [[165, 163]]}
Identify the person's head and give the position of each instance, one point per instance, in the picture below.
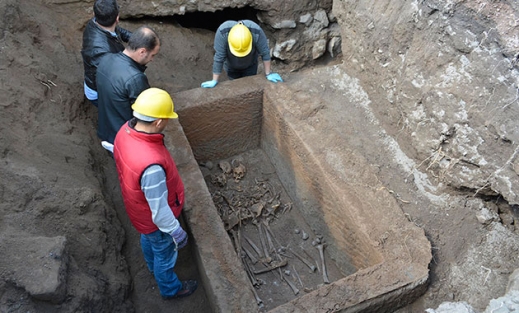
{"points": [[143, 45], [154, 107], [240, 40], [106, 12]]}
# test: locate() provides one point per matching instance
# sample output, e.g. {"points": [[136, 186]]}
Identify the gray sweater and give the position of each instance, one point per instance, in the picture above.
{"points": [[260, 46]]}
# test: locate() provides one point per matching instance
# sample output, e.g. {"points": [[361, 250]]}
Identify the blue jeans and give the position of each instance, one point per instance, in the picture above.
{"points": [[160, 255]]}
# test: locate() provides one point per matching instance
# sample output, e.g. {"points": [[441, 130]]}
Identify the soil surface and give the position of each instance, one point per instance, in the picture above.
{"points": [[59, 188]]}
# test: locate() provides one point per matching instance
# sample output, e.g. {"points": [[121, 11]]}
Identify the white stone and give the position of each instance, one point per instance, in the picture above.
{"points": [[452, 307], [284, 24], [485, 216], [281, 50], [319, 48], [306, 19], [322, 17]]}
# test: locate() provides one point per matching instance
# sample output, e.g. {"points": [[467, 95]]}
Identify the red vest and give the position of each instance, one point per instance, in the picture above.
{"points": [[134, 152]]}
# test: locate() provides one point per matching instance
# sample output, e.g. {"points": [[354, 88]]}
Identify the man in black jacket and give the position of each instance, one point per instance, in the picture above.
{"points": [[121, 78], [101, 36]]}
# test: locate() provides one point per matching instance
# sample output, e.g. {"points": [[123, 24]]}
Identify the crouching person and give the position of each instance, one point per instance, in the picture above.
{"points": [[152, 189]]}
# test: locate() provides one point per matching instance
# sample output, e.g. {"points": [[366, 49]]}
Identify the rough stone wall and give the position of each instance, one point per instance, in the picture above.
{"points": [[299, 31], [447, 72]]}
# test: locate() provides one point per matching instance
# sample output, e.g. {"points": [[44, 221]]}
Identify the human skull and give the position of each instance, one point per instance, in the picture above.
{"points": [[219, 180], [238, 172], [225, 167]]}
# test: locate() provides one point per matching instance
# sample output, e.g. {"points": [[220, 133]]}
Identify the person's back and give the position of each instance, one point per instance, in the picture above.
{"points": [[101, 36], [121, 78], [120, 82]]}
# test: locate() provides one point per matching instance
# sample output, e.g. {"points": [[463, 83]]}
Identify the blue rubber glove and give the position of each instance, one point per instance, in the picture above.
{"points": [[180, 237], [274, 77], [209, 84]]}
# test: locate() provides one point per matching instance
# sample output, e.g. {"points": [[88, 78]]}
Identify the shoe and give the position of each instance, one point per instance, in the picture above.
{"points": [[188, 287]]}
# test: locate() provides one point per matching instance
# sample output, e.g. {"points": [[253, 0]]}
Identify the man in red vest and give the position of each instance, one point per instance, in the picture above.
{"points": [[152, 189]]}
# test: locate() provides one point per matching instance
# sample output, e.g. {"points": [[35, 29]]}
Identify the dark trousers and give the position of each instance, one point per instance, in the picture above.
{"points": [[249, 71]]}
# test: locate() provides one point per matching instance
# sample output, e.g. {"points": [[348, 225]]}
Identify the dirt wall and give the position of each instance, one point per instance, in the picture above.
{"points": [[441, 79]]}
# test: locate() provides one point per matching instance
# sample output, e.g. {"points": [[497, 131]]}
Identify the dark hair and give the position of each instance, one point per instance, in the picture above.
{"points": [[143, 37], [106, 12]]}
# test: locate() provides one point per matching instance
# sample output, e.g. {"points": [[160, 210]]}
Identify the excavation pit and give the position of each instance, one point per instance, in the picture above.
{"points": [[376, 259]]}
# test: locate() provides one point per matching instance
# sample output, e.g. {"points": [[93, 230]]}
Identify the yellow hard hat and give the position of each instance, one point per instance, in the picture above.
{"points": [[240, 40], [152, 104]]}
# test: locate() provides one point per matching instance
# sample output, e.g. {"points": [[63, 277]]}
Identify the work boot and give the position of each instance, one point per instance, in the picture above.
{"points": [[188, 287]]}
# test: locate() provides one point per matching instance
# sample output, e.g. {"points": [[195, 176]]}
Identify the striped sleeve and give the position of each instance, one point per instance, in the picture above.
{"points": [[153, 184]]}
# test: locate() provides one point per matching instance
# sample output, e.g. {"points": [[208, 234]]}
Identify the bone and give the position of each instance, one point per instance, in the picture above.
{"points": [[305, 261], [267, 227], [236, 238], [250, 255], [263, 244], [270, 243], [311, 258], [320, 247], [286, 207], [253, 280], [238, 170], [253, 245], [225, 167], [258, 299], [297, 276], [273, 265], [291, 285]]}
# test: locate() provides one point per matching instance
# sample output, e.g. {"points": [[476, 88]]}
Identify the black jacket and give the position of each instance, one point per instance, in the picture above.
{"points": [[119, 81], [97, 42]]}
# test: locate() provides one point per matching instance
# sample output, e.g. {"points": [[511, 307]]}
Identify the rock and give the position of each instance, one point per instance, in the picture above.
{"points": [[452, 307], [334, 30], [281, 50], [506, 304], [485, 216], [331, 17], [513, 281], [38, 265], [321, 17], [306, 19], [284, 24], [319, 48], [334, 46]]}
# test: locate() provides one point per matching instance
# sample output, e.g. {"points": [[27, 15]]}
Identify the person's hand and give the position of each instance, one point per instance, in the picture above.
{"points": [[274, 77], [209, 84], [180, 237]]}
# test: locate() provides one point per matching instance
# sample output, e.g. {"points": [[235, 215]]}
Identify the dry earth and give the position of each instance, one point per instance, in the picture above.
{"points": [[441, 79]]}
